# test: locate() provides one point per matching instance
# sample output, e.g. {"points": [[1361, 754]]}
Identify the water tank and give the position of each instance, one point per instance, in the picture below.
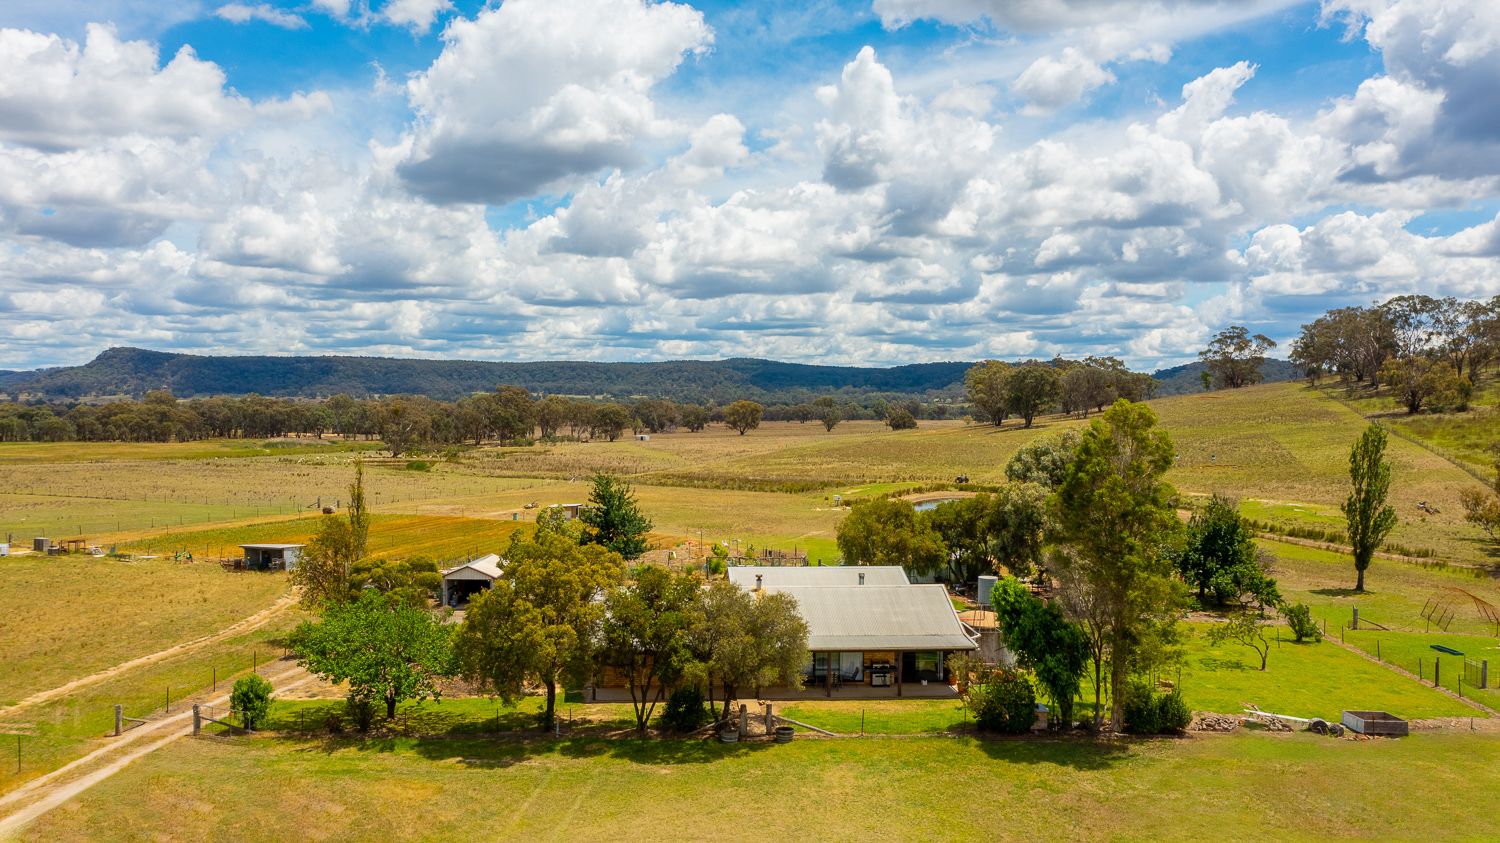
{"points": [[986, 585]]}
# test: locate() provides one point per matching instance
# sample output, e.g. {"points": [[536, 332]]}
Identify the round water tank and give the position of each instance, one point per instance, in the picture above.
{"points": [[986, 585]]}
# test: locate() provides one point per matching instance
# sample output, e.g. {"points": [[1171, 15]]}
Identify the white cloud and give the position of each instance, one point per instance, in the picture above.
{"points": [[55, 94], [263, 12], [416, 15], [533, 92], [1050, 83]]}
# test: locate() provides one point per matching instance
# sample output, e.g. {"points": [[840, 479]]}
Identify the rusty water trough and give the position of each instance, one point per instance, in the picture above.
{"points": [[1375, 723]]}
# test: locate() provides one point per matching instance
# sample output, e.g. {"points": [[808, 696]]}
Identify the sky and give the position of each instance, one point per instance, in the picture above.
{"points": [[865, 183]]}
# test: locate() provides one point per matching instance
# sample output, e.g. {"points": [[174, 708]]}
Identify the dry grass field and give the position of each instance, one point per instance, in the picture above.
{"points": [[69, 616], [1238, 787]]}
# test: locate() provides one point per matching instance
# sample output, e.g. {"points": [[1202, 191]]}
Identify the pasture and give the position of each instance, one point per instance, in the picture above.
{"points": [[69, 616], [1235, 787]]}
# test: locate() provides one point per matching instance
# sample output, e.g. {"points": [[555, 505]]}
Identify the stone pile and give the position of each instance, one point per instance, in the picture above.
{"points": [[1214, 723]]}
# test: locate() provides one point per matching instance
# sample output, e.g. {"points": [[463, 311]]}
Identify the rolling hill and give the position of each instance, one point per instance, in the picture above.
{"points": [[135, 371]]}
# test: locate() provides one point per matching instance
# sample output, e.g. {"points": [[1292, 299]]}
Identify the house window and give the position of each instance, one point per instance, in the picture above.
{"points": [[852, 667]]}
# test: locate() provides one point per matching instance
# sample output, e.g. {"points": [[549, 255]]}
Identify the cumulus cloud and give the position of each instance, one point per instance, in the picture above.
{"points": [[533, 92], [1051, 83], [56, 94], [263, 12]]}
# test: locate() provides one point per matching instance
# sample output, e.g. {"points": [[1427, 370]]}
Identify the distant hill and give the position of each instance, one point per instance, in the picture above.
{"points": [[135, 371], [1187, 378]]}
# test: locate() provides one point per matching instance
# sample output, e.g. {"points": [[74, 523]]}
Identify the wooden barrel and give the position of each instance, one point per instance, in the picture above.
{"points": [[729, 735], [784, 734]]}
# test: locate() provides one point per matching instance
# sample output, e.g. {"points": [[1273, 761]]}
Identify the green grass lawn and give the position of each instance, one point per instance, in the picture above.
{"points": [[1302, 680], [69, 616], [1395, 592], [1239, 787], [879, 717], [1413, 651]]}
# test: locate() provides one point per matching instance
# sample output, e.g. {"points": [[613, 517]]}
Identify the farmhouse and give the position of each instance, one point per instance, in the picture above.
{"points": [[462, 582], [271, 557], [875, 636]]}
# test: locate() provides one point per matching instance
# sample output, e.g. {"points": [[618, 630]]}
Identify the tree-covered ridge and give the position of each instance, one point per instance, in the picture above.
{"points": [[135, 371]]}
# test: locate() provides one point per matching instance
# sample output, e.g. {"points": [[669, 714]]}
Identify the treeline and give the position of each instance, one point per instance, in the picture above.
{"points": [[1429, 351], [407, 423], [997, 390]]}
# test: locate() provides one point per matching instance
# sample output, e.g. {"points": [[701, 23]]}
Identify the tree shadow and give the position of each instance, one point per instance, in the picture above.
{"points": [[1341, 592], [1079, 752], [501, 751], [1211, 663]]}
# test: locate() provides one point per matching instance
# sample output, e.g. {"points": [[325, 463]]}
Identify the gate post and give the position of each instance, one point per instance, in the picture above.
{"points": [[197, 720], [119, 719]]}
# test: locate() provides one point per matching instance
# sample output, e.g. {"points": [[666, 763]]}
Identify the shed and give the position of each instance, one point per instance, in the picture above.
{"points": [[464, 581], [272, 557], [570, 510]]}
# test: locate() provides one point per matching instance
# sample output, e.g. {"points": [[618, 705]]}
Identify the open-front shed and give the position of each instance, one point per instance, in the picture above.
{"points": [[462, 582], [272, 557]]}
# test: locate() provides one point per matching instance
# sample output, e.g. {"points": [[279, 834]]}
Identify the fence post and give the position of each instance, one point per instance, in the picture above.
{"points": [[119, 719], [1437, 670], [197, 720]]}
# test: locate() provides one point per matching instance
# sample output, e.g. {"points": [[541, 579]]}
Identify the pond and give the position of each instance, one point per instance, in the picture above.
{"points": [[924, 506]]}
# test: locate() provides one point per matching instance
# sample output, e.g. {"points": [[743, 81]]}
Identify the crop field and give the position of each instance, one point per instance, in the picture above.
{"points": [[68, 616], [1237, 787], [435, 537]]}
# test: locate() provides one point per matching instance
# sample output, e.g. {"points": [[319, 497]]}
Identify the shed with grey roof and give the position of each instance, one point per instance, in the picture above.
{"points": [[272, 557]]}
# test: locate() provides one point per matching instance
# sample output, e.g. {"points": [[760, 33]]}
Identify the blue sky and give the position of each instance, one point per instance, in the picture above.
{"points": [[859, 183]]}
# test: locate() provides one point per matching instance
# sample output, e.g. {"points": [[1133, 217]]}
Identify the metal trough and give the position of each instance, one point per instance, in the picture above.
{"points": [[1375, 723]]}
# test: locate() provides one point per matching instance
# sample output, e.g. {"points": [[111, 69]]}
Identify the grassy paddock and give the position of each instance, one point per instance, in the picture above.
{"points": [[69, 616], [1242, 787], [59, 731], [1303, 680]]}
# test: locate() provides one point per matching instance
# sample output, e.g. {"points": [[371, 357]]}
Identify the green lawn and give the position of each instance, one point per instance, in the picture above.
{"points": [[1413, 651], [1395, 592], [1239, 787], [879, 717], [1302, 680]]}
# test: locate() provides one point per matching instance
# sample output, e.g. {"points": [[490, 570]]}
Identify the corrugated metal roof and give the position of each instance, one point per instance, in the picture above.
{"points": [[488, 564], [271, 546], [879, 617], [806, 575]]}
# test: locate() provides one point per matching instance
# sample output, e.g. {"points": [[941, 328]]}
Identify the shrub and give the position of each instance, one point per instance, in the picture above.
{"points": [[361, 710], [1172, 712], [1142, 713], [1149, 712], [251, 699], [1006, 703], [418, 465], [1304, 628], [684, 712]]}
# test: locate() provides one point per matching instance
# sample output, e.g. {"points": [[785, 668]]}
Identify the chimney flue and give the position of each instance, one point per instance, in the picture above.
{"points": [[861, 577], [757, 582]]}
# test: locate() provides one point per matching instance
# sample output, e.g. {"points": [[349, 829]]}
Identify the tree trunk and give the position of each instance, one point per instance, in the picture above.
{"points": [[390, 705], [1117, 686], [1359, 584], [549, 715]]}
